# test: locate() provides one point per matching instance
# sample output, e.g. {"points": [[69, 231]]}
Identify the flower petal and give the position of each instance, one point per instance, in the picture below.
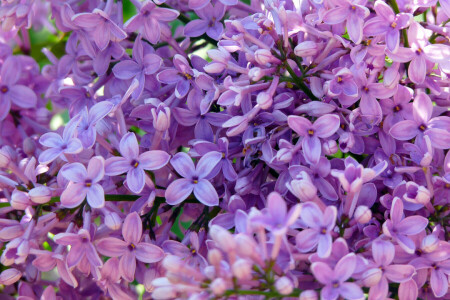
{"points": [[178, 191], [112, 247], [153, 160], [149, 253], [205, 192], [132, 228]]}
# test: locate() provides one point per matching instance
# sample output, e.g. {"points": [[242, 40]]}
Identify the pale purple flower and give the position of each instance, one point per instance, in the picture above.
{"points": [[196, 179], [134, 164], [182, 75], [399, 228], [11, 91], [343, 83], [144, 63], [422, 123], [335, 279], [81, 251], [381, 271], [67, 144], [324, 127], [353, 13], [84, 183], [320, 226], [131, 248], [101, 28], [189, 254], [150, 19], [209, 21], [86, 128], [111, 280], [387, 22]]}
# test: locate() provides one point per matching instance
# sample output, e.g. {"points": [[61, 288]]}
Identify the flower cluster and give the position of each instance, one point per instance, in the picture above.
{"points": [[225, 149]]}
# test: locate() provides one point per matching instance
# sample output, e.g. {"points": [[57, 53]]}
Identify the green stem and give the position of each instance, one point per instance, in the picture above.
{"points": [[298, 81], [394, 6], [107, 198]]}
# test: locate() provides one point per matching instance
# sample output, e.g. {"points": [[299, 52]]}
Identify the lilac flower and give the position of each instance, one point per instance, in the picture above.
{"points": [[10, 90], [195, 179], [86, 128], [209, 22], [324, 127], [134, 163], [334, 279], [422, 123], [343, 83], [191, 255], [110, 280], [131, 248], [143, 63], [399, 228], [382, 270], [81, 251], [84, 183], [59, 146], [101, 28], [351, 12], [387, 22], [181, 75], [320, 225], [150, 19]]}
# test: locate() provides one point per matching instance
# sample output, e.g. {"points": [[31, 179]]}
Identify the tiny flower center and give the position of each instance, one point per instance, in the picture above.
{"points": [[419, 51], [88, 183], [88, 95], [131, 247], [393, 24], [339, 79], [4, 89], [193, 251], [289, 85], [369, 42], [311, 132], [447, 185], [134, 163], [422, 127], [335, 284], [223, 155], [323, 231], [195, 180], [366, 89], [187, 76], [353, 7], [397, 108], [211, 23]]}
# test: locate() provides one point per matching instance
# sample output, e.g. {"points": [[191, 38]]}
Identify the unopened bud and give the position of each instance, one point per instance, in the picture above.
{"points": [[308, 295], [306, 48], [10, 276], [218, 286], [330, 147], [245, 245], [20, 200], [29, 146], [40, 194], [284, 285], [161, 118], [303, 188], [214, 257], [363, 214], [429, 243], [5, 156], [264, 100], [113, 221], [242, 269], [255, 74], [223, 238], [263, 56]]}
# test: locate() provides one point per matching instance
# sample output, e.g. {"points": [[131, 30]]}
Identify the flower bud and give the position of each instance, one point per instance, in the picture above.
{"points": [[161, 117], [363, 214], [223, 238], [330, 147], [20, 200], [416, 193], [308, 295], [284, 285], [214, 67], [5, 156], [245, 245], [303, 188], [255, 74], [263, 56], [163, 293], [371, 277], [214, 257], [306, 48], [40, 194], [29, 146], [10, 276], [264, 100], [429, 243], [113, 221], [219, 55], [218, 286], [242, 269]]}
